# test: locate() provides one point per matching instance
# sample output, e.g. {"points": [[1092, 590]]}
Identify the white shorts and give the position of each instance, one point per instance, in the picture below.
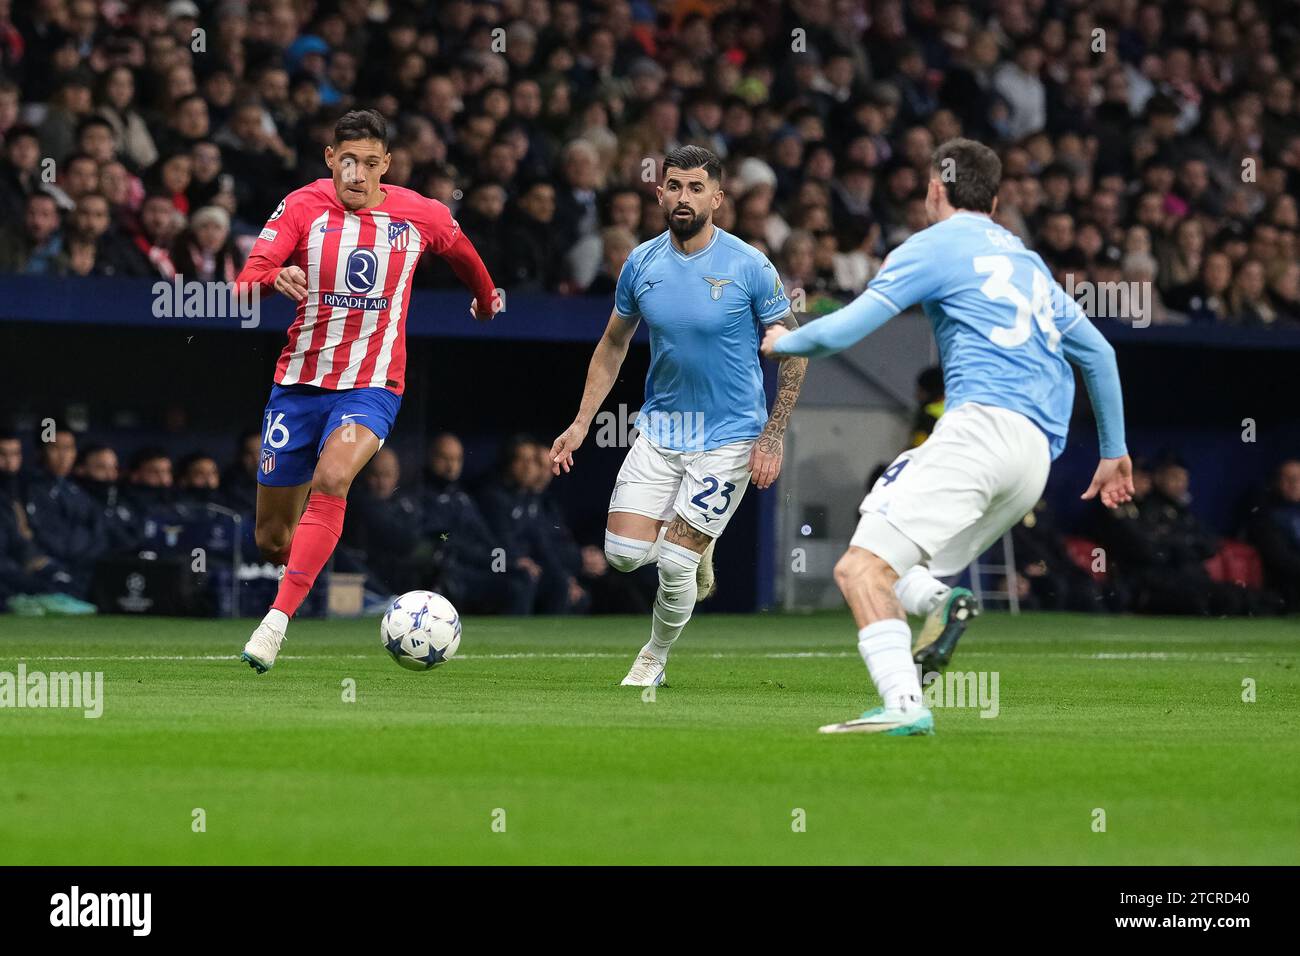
{"points": [[704, 487], [943, 504]]}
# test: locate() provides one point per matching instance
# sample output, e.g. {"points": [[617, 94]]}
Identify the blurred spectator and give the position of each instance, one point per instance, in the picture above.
{"points": [[481, 218], [198, 479], [555, 539], [116, 104], [70, 104], [96, 471], [239, 480], [473, 570], [1248, 300], [383, 529], [592, 588], [513, 511], [616, 244], [25, 568], [532, 246], [79, 176], [1055, 582], [1020, 85], [1160, 548], [160, 224], [38, 248], [149, 481], [1205, 299], [1284, 292], [1275, 531], [64, 520], [205, 250], [20, 174]]}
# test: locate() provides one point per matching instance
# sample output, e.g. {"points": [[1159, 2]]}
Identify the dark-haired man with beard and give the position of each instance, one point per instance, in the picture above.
{"points": [[704, 429]]}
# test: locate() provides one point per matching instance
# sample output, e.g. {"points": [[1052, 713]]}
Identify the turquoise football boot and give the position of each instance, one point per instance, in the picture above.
{"points": [[895, 723]]}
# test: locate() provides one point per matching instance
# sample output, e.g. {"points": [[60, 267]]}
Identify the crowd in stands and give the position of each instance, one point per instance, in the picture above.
{"points": [[67, 508], [1141, 141]]}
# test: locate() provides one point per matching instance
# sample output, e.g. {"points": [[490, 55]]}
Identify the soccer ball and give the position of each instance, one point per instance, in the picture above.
{"points": [[421, 630]]}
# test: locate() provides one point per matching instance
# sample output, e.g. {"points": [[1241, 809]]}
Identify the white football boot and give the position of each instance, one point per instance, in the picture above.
{"points": [[646, 672], [262, 648]]}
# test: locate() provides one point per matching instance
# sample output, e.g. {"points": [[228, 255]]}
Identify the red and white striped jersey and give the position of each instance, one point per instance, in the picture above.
{"points": [[350, 331]]}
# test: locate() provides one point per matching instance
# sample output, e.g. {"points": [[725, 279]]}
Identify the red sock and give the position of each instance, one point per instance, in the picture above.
{"points": [[313, 543]]}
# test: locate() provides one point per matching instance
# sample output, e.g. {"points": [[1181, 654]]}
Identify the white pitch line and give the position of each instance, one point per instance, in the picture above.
{"points": [[1174, 656]]}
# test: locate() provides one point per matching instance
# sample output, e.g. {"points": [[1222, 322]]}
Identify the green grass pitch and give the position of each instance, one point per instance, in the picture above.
{"points": [[1140, 718]]}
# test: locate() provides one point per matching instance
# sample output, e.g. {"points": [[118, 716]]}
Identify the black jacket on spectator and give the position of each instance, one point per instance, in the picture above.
{"points": [[116, 255], [1160, 548], [489, 238], [24, 568], [518, 520], [387, 532], [531, 254], [239, 490], [1056, 583], [120, 521], [66, 523], [474, 570], [1275, 531]]}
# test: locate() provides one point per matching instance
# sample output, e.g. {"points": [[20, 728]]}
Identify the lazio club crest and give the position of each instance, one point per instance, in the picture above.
{"points": [[399, 234], [715, 293]]}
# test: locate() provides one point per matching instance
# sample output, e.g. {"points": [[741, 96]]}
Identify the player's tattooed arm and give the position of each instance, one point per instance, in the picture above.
{"points": [[765, 462], [788, 385]]}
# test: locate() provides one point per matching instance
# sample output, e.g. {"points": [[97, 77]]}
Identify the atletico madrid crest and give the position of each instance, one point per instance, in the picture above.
{"points": [[268, 462], [399, 234]]}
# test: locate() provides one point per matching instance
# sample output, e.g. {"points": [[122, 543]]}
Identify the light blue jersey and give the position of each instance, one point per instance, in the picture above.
{"points": [[705, 385], [1006, 330]]}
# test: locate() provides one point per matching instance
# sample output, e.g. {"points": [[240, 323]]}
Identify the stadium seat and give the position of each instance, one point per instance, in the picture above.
{"points": [[1237, 563]]}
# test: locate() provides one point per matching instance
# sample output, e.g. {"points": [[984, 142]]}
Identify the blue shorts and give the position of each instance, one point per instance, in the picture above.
{"points": [[299, 418]]}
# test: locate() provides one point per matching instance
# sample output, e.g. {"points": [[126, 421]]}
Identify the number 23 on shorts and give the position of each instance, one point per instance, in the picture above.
{"points": [[711, 486]]}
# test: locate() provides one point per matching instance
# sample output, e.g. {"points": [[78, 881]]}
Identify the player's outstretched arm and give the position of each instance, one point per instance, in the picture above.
{"points": [[1086, 348], [470, 270], [1113, 480], [831, 333], [765, 459], [605, 363]]}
